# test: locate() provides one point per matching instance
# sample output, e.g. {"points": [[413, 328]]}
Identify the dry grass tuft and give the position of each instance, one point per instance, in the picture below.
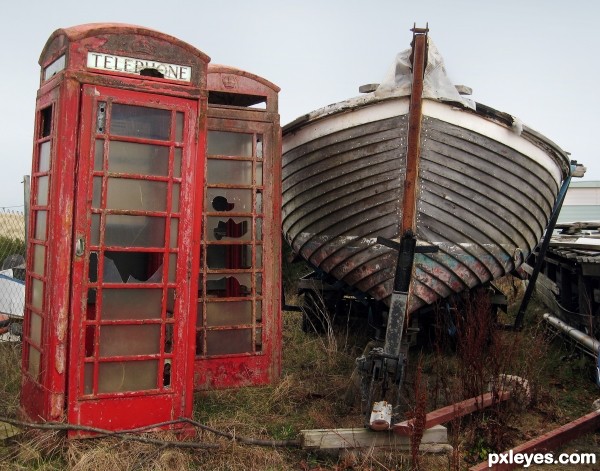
{"points": [[115, 454], [10, 372]]}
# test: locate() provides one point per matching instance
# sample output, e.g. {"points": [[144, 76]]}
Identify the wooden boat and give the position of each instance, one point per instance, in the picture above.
{"points": [[485, 188]]}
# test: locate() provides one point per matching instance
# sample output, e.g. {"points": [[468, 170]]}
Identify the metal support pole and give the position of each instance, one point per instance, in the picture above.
{"points": [[543, 248]]}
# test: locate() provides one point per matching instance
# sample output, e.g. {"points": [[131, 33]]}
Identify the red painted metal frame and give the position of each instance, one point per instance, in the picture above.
{"points": [[44, 397], [264, 365]]}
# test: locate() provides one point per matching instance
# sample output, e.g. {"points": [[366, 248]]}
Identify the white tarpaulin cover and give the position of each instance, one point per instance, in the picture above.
{"points": [[12, 294], [436, 84]]}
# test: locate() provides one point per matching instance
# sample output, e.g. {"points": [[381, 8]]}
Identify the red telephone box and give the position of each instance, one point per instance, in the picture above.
{"points": [[111, 294], [238, 339]]}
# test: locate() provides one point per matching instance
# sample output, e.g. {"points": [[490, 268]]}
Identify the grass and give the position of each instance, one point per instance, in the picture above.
{"points": [[310, 395]]}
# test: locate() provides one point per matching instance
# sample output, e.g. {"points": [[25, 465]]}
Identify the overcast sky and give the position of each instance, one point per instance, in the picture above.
{"points": [[536, 60]]}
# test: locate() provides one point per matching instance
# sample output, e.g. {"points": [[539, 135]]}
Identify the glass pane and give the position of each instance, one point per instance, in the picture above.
{"points": [[140, 121], [134, 231], [229, 143], [42, 191], [229, 256], [122, 340], [232, 172], [177, 162], [95, 230], [258, 341], [88, 378], [259, 256], [142, 159], [40, 225], [224, 342], [137, 195], [224, 229], [174, 233], [133, 267], [99, 155], [228, 286], [123, 376], [259, 174], [258, 285], [35, 329], [259, 146], [44, 164], [259, 206], [168, 347], [179, 126], [199, 317], [170, 302], [136, 303], [259, 225], [228, 199], [258, 312], [97, 192], [175, 198], [39, 257], [34, 363], [228, 313], [37, 293]]}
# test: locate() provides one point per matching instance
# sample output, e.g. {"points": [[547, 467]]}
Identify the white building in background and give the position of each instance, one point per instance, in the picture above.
{"points": [[582, 202]]}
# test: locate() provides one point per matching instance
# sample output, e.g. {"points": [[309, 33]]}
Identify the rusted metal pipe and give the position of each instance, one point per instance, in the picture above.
{"points": [[589, 343]]}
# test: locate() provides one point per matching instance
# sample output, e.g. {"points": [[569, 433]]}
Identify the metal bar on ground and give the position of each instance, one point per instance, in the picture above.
{"points": [[453, 411], [548, 441]]}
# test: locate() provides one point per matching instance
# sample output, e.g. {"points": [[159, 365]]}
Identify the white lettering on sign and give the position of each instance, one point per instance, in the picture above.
{"points": [[130, 65]]}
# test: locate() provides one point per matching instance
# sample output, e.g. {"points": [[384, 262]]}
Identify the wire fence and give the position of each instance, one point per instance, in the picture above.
{"points": [[12, 263]]}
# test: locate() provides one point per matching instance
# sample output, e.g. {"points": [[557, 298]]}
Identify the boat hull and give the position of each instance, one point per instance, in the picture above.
{"points": [[485, 193]]}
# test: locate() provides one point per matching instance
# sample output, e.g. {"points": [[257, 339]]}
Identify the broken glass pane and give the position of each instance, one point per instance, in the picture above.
{"points": [[228, 199], [228, 286], [132, 267], [229, 228]]}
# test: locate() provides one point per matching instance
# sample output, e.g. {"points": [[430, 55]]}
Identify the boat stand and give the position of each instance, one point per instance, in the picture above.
{"points": [[382, 369]]}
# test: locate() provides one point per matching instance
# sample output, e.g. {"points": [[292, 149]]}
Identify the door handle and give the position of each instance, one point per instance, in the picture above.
{"points": [[79, 247]]}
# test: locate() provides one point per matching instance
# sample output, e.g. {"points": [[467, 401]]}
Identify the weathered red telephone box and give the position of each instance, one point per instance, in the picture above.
{"points": [[238, 340], [117, 185]]}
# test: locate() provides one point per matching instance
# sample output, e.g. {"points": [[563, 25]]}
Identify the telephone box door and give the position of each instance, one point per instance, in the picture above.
{"points": [[237, 340], [130, 354]]}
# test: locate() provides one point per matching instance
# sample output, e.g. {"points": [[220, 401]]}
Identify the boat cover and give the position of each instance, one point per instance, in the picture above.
{"points": [[436, 84]]}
